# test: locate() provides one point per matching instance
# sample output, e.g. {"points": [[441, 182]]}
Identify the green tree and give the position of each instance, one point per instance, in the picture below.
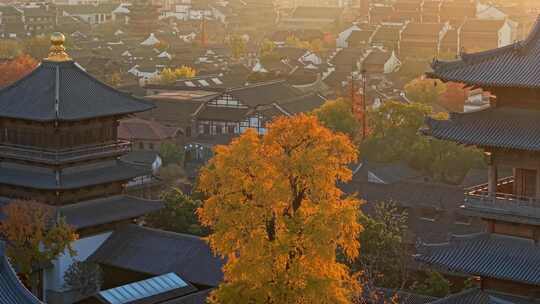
{"points": [[172, 175], [84, 277], [171, 154], [394, 131], [434, 285], [426, 91], [237, 44], [444, 160], [179, 214], [395, 136], [337, 115], [384, 257]]}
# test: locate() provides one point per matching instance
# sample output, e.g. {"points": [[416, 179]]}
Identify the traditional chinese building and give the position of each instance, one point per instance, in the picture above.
{"points": [[59, 146], [505, 258], [12, 291]]}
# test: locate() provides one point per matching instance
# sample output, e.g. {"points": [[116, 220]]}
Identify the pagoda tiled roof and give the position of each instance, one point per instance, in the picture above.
{"points": [[478, 296], [486, 255], [107, 210], [63, 91], [12, 291], [157, 252], [504, 127], [514, 65], [96, 174]]}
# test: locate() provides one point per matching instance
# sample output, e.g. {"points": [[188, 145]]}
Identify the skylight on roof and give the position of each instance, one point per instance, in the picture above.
{"points": [[204, 83], [190, 84], [143, 289], [217, 81]]}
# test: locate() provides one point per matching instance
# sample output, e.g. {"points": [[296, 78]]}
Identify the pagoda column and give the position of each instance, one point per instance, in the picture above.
{"points": [[492, 179], [537, 184]]}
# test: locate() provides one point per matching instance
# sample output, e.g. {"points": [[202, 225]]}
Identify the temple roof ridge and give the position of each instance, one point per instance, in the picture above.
{"points": [[514, 65], [12, 291], [65, 92]]}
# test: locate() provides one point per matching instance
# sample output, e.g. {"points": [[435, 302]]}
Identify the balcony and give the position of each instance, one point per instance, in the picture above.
{"points": [[503, 203], [64, 156]]}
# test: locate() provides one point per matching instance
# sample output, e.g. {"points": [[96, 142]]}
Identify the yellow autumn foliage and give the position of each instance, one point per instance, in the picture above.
{"points": [[278, 218]]}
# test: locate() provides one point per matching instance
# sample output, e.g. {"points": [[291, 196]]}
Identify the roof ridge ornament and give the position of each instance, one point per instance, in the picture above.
{"points": [[57, 52]]}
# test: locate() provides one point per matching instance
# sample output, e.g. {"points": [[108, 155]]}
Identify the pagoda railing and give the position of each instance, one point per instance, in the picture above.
{"points": [[51, 156], [478, 197]]}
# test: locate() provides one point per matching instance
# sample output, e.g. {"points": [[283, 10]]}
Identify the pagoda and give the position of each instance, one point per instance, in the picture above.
{"points": [[505, 258], [59, 146]]}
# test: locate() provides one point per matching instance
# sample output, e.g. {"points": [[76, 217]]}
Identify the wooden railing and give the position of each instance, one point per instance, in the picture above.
{"points": [[479, 197], [50, 156]]}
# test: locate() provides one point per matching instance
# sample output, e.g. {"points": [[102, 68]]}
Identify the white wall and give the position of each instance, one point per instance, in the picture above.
{"points": [[54, 277], [341, 41], [392, 64], [505, 34], [489, 12]]}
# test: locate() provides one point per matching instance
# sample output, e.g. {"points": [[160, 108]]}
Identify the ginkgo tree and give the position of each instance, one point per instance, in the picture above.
{"points": [[34, 236], [277, 217]]}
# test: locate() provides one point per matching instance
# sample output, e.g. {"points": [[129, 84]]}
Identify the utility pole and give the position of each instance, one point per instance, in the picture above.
{"points": [[352, 89], [364, 102]]}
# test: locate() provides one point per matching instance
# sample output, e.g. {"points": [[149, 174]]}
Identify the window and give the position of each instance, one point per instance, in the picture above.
{"points": [[141, 146], [230, 129], [151, 146]]}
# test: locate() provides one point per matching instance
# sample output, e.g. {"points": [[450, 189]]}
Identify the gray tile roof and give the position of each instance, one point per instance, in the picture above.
{"points": [[302, 104], [67, 87], [157, 252], [385, 295], [477, 296], [222, 114], [12, 291], [487, 255], [264, 93], [194, 298], [90, 176], [141, 157], [107, 210], [515, 65], [389, 173], [493, 127], [423, 202]]}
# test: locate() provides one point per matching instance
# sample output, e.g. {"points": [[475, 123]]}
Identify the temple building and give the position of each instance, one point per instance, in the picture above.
{"points": [[59, 146], [12, 291], [506, 257]]}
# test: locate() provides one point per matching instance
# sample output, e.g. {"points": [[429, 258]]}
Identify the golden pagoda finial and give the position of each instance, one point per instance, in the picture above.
{"points": [[57, 52]]}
